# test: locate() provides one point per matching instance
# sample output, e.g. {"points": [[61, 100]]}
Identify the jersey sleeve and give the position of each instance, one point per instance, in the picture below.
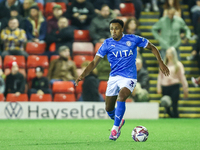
{"points": [[141, 41], [102, 50]]}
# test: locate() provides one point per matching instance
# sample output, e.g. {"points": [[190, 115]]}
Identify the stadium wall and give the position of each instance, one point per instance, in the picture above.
{"points": [[73, 110]]}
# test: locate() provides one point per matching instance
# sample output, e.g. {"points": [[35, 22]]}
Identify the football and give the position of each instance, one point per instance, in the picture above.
{"points": [[140, 134]]}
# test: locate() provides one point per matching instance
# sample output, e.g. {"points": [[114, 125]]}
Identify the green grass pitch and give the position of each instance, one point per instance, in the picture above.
{"points": [[164, 134]]}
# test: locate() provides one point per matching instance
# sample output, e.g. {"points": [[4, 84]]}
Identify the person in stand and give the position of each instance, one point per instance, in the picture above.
{"points": [[15, 81], [170, 85], [40, 84]]}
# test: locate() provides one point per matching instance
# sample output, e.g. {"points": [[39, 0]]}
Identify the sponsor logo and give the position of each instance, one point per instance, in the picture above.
{"points": [[113, 45], [13, 110]]}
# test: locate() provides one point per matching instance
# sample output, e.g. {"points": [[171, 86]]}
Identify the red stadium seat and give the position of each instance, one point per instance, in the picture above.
{"points": [[82, 35], [123, 18], [127, 9], [79, 87], [97, 46], [41, 7], [79, 59], [34, 61], [0, 62], [35, 47], [64, 98], [31, 73], [49, 7], [41, 98], [63, 87], [19, 59], [21, 70], [85, 48], [52, 47], [2, 98], [13, 98], [102, 87]]}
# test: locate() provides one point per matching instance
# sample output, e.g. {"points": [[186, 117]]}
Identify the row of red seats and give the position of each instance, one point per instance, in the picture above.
{"points": [[33, 61], [78, 48], [62, 91], [125, 8]]}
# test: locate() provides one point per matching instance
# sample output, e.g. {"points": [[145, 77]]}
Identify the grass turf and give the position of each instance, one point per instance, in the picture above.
{"points": [[164, 134]]}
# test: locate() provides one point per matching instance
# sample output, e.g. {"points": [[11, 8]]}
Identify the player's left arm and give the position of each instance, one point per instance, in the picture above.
{"points": [[164, 69]]}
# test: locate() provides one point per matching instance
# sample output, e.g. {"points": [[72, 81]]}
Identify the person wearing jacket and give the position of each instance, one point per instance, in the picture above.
{"points": [[62, 69], [64, 35], [80, 13], [35, 25], [99, 27], [167, 31], [90, 86], [40, 84], [15, 81]]}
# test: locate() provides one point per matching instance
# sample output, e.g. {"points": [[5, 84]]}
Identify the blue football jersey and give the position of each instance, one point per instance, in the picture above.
{"points": [[122, 54]]}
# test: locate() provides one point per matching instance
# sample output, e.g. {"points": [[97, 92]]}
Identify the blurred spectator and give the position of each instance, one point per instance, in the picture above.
{"points": [[14, 39], [37, 1], [131, 26], [150, 3], [64, 35], [141, 94], [52, 23], [99, 27], [35, 25], [172, 3], [168, 39], [2, 83], [195, 81], [5, 7], [62, 69], [138, 6], [195, 10], [170, 85], [40, 84], [15, 81], [103, 69], [80, 12], [113, 4], [26, 6], [90, 86], [14, 12]]}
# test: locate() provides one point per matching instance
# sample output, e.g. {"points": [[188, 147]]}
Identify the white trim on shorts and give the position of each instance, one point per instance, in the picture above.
{"points": [[116, 83]]}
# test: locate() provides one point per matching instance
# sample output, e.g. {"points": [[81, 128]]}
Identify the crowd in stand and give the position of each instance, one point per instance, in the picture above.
{"points": [[24, 21]]}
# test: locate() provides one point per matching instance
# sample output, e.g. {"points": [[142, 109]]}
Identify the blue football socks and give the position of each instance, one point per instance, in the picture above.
{"points": [[119, 112], [111, 114]]}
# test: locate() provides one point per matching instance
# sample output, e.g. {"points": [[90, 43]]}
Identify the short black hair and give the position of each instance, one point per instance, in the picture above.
{"points": [[117, 21]]}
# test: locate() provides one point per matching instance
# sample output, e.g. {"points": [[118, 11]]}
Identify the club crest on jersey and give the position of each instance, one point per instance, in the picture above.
{"points": [[128, 43]]}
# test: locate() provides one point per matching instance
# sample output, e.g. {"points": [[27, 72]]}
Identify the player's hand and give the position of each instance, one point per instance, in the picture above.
{"points": [[78, 79], [164, 69]]}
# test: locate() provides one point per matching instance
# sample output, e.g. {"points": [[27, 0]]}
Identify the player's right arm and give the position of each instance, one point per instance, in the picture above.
{"points": [[88, 69]]}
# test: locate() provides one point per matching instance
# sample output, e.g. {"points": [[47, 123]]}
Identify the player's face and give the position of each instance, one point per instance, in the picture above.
{"points": [[116, 31]]}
